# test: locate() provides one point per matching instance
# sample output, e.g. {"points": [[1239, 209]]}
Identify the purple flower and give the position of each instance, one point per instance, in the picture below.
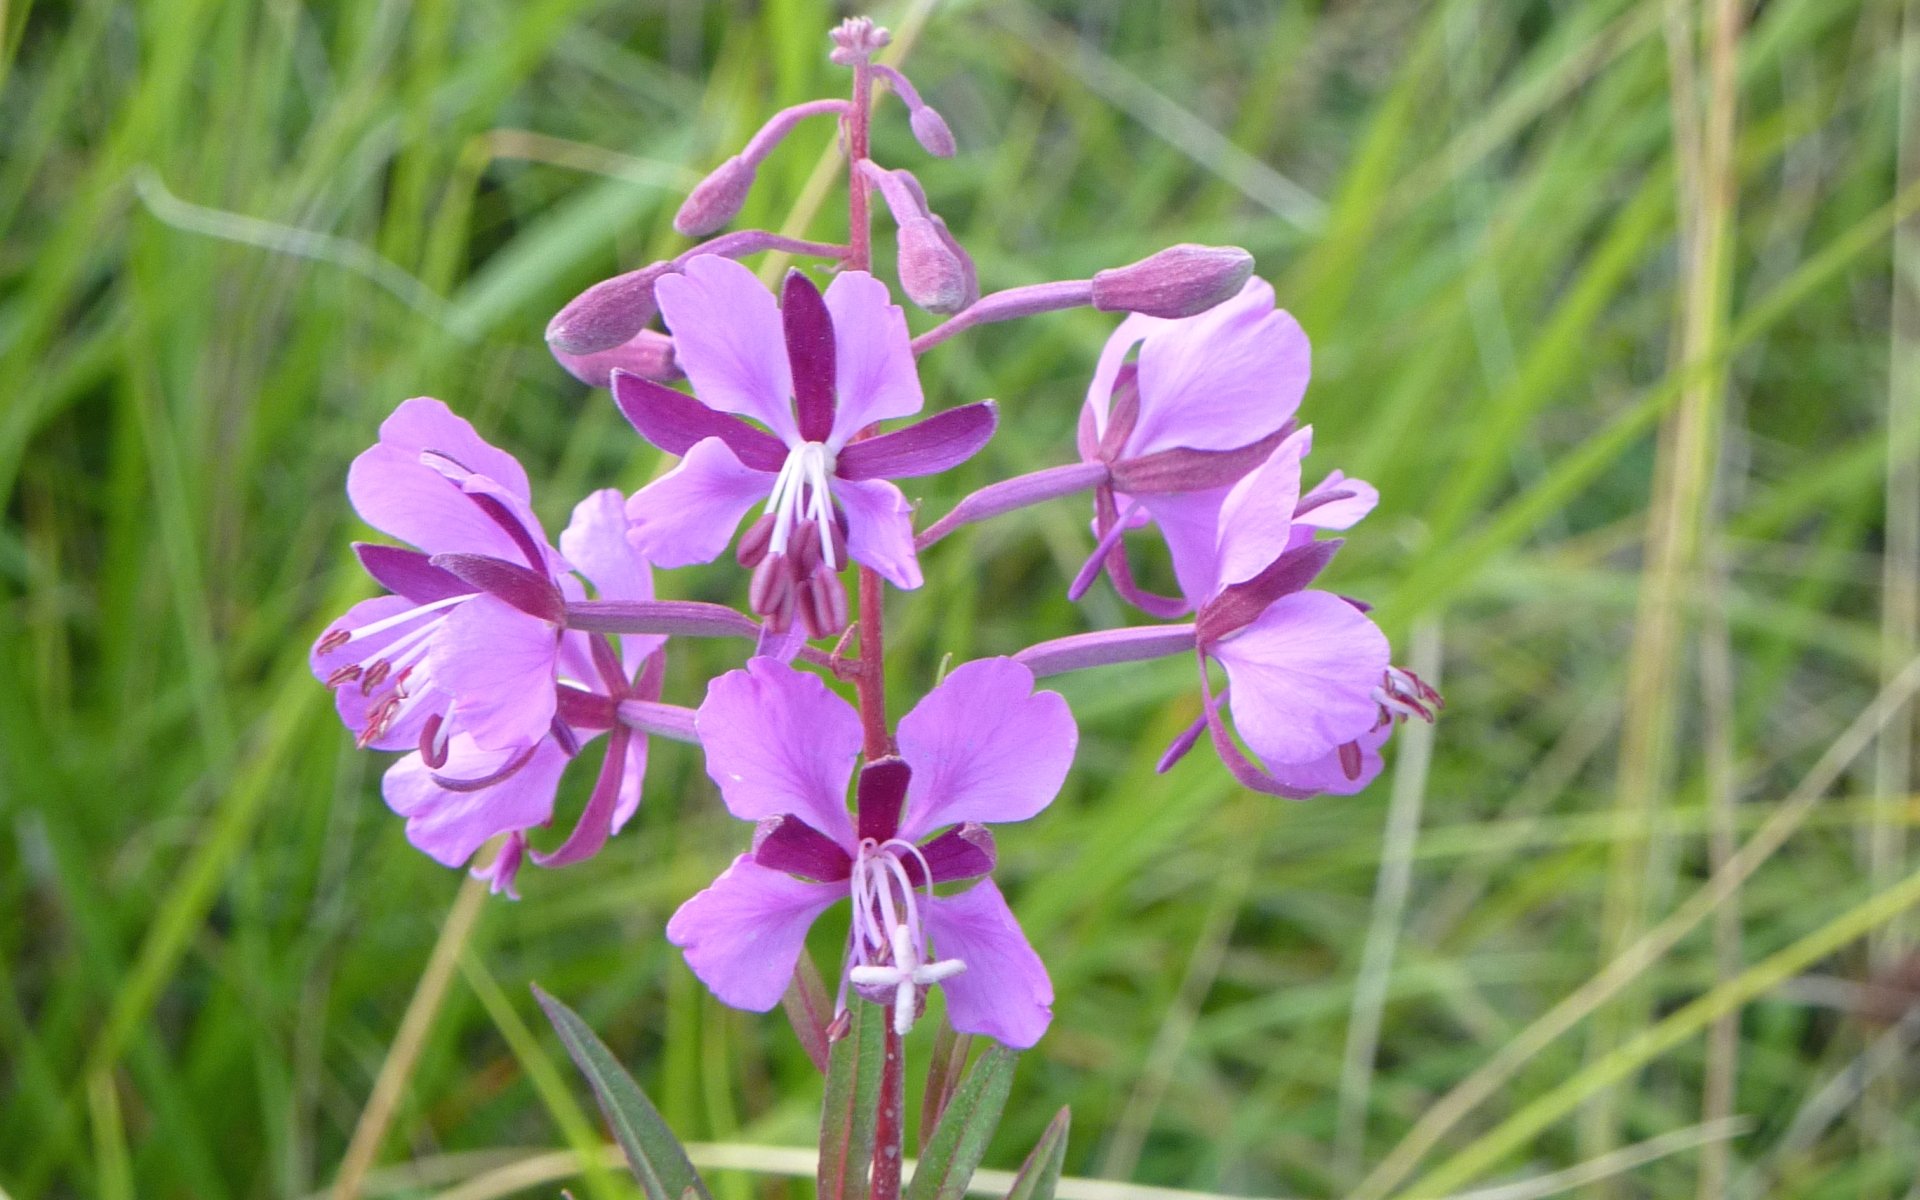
{"points": [[1204, 402], [815, 372], [466, 643], [981, 747], [1309, 682], [458, 796]]}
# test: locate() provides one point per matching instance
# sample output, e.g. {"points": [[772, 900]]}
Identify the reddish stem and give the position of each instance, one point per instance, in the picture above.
{"points": [[871, 684], [889, 1130], [859, 228]]}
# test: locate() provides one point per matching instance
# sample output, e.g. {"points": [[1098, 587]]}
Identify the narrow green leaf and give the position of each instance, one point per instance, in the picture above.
{"points": [[950, 1050], [1039, 1175], [847, 1116], [653, 1153], [961, 1138]]}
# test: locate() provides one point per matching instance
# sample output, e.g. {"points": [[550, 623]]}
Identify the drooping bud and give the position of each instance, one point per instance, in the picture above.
{"points": [[609, 313], [930, 130], [929, 273], [717, 199], [1180, 281], [649, 355]]}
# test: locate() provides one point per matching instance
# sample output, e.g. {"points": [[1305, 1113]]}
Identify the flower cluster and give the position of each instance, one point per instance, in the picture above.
{"points": [[497, 657]]}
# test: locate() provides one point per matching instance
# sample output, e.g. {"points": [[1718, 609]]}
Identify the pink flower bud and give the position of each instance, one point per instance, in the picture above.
{"points": [[930, 130], [929, 273], [1180, 281], [855, 40], [649, 355], [608, 314], [717, 199]]}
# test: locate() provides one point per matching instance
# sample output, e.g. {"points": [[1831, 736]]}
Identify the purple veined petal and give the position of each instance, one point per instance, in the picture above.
{"points": [[1248, 773], [810, 354], [727, 338], [401, 642], [689, 514], [676, 422], [942, 441], [1242, 603], [963, 852], [404, 498], [424, 424], [1230, 376], [1337, 503], [744, 934], [879, 529], [498, 664], [632, 778], [505, 508], [787, 843], [596, 820], [873, 363], [1004, 993], [1190, 525], [778, 742], [450, 826], [1302, 677], [1257, 515], [408, 573], [648, 354], [1106, 371], [595, 542], [1329, 773], [984, 746]]}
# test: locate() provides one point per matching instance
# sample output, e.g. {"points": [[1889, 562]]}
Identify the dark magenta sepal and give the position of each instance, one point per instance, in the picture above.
{"points": [[881, 794], [1181, 470], [1238, 606], [927, 447], [786, 843], [408, 573], [532, 594], [562, 734], [1317, 499], [963, 852], [1123, 412], [676, 422], [809, 330], [596, 820], [580, 709], [607, 664]]}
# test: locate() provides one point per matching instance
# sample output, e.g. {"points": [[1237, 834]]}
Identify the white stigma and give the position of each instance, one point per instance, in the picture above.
{"points": [[889, 939], [800, 494]]}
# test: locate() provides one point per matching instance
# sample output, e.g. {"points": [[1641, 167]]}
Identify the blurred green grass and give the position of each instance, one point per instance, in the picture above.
{"points": [[211, 926]]}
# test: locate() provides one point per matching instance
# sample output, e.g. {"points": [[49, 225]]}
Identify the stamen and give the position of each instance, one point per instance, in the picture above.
{"points": [[800, 493], [333, 641], [1350, 762]]}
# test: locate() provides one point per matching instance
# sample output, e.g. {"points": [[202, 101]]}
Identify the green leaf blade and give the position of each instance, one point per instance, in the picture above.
{"points": [[959, 1142], [851, 1108]]}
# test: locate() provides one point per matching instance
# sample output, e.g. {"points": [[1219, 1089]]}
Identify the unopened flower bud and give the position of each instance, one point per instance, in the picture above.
{"points": [[609, 313], [1180, 281], [930, 130], [649, 355], [717, 199], [855, 40], [929, 273]]}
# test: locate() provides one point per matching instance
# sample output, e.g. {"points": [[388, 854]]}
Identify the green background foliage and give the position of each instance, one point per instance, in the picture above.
{"points": [[237, 233]]}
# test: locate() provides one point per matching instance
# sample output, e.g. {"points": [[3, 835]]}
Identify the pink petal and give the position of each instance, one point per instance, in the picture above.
{"points": [[984, 746], [689, 514], [727, 338], [630, 785], [1302, 677], [423, 423], [777, 741], [743, 935], [1225, 378], [1190, 524], [879, 528], [354, 705], [1107, 370], [596, 543], [1342, 513], [874, 368], [450, 826], [1004, 993], [498, 663], [1257, 515], [404, 498], [1326, 774]]}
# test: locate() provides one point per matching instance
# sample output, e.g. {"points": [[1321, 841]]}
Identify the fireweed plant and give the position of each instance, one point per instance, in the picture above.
{"points": [[496, 656]]}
